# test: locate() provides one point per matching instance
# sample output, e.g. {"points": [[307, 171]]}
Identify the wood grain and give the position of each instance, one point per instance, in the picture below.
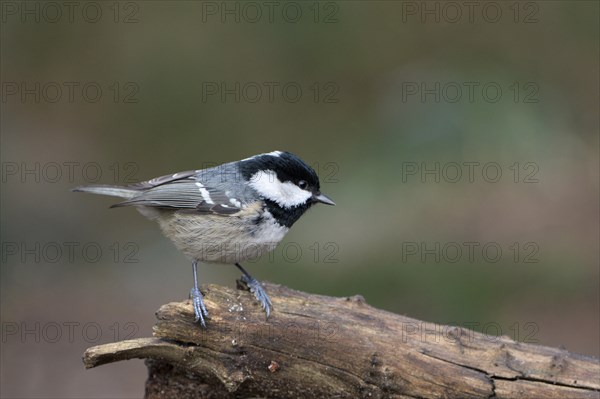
{"points": [[316, 346]]}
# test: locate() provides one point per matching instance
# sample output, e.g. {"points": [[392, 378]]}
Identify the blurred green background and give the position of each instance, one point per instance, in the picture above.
{"points": [[379, 104]]}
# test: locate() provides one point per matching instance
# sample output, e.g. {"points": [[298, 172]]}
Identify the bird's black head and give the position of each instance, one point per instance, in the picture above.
{"points": [[288, 185]]}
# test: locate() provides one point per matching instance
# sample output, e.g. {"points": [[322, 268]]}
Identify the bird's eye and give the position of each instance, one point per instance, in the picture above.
{"points": [[303, 184]]}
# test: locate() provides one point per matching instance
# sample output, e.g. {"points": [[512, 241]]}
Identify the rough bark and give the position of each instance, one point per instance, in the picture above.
{"points": [[316, 346]]}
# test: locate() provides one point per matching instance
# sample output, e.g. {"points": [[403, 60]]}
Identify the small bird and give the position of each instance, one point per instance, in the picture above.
{"points": [[228, 213]]}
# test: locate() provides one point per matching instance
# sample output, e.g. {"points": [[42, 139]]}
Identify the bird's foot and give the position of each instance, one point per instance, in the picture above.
{"points": [[259, 292], [199, 308]]}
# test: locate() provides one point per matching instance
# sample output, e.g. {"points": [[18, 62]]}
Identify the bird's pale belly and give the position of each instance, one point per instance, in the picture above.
{"points": [[222, 239]]}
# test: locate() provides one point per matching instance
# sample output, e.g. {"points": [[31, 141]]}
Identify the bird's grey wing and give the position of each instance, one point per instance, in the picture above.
{"points": [[187, 194], [158, 181]]}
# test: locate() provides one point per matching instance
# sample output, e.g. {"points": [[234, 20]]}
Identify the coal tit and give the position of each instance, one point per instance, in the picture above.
{"points": [[226, 214]]}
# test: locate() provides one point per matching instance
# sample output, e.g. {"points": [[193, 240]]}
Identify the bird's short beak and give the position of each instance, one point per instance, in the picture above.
{"points": [[322, 198]]}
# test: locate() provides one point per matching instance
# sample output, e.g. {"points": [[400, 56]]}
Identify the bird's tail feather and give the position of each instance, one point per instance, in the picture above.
{"points": [[114, 191]]}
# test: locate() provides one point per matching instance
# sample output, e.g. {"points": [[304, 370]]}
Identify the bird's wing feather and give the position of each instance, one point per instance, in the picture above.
{"points": [[159, 181], [183, 193]]}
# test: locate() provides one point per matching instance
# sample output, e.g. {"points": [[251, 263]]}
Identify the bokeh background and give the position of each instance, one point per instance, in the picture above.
{"points": [[384, 96]]}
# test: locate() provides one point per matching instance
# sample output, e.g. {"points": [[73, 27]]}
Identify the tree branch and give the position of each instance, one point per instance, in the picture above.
{"points": [[317, 346]]}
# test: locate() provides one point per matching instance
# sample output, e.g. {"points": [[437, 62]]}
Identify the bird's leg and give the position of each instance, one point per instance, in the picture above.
{"points": [[196, 296], [257, 289]]}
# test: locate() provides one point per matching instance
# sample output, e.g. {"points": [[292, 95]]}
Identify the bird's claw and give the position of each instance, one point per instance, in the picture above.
{"points": [[198, 304], [259, 292]]}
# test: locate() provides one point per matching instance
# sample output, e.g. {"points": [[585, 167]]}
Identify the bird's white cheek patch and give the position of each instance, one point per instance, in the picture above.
{"points": [[287, 194]]}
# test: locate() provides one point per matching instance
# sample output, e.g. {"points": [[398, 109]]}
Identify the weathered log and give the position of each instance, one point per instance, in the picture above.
{"points": [[315, 346]]}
